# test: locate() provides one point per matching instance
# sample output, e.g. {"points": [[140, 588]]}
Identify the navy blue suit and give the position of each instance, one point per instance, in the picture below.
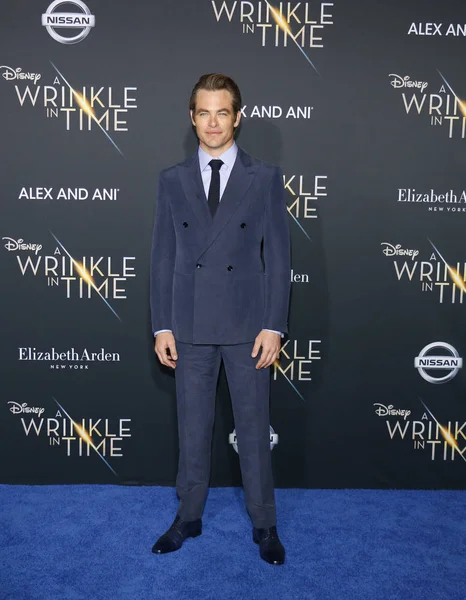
{"points": [[216, 283]]}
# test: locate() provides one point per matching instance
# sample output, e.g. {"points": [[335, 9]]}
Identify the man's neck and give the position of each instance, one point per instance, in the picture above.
{"points": [[216, 152]]}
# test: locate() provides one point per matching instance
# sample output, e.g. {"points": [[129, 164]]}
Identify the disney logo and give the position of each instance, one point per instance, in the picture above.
{"points": [[397, 250], [20, 244], [391, 411], [17, 409], [401, 82], [17, 73]]}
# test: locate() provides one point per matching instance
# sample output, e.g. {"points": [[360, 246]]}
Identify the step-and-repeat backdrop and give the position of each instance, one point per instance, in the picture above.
{"points": [[363, 106]]}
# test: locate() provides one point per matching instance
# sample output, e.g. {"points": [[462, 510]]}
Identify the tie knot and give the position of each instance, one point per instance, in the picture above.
{"points": [[215, 164]]}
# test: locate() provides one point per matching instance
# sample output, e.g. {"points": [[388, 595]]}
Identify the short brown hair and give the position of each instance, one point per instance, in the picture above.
{"points": [[213, 82]]}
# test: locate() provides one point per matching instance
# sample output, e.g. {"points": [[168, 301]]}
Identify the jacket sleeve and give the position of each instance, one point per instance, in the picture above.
{"points": [[162, 262], [277, 259]]}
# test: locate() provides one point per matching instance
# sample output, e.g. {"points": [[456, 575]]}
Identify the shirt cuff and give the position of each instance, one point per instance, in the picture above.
{"points": [[273, 330], [161, 331]]}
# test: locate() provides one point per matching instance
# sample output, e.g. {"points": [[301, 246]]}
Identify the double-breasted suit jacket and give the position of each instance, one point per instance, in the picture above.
{"points": [[220, 280]]}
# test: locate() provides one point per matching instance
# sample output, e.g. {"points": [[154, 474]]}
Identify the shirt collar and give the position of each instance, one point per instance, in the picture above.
{"points": [[228, 157]]}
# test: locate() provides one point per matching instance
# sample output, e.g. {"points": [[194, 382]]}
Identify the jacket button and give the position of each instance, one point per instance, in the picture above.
{"points": [[198, 266], [230, 268], [185, 224], [243, 225]]}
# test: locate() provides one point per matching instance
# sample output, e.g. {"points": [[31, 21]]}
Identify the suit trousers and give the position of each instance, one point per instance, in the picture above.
{"points": [[196, 376]]}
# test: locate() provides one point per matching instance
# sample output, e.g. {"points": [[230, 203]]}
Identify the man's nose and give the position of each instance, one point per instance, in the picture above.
{"points": [[212, 121]]}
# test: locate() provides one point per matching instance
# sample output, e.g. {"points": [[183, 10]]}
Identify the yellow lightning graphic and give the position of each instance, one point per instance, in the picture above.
{"points": [[85, 436], [86, 107], [280, 20], [456, 278], [461, 103], [84, 274], [285, 26], [446, 434], [83, 103], [449, 438]]}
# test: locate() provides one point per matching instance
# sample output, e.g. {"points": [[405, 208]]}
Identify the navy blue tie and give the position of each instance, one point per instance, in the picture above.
{"points": [[214, 189]]}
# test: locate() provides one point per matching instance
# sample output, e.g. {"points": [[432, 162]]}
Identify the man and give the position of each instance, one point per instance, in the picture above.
{"points": [[220, 272]]}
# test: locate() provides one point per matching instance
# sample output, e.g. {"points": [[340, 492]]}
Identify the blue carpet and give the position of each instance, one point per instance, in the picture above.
{"points": [[94, 542]]}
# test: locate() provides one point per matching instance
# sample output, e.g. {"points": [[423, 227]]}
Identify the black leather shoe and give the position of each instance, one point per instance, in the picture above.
{"points": [[173, 539], [270, 547]]}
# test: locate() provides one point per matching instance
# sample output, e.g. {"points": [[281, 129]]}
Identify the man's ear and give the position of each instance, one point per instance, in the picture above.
{"points": [[238, 119], [191, 114]]}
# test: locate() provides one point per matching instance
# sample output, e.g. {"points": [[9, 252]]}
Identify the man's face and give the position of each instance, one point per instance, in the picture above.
{"points": [[214, 120]]}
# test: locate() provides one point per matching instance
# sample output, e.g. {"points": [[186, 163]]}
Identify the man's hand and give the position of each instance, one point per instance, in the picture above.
{"points": [[270, 343], [165, 341]]}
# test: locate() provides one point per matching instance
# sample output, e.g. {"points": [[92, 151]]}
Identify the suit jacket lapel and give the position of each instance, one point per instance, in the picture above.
{"points": [[241, 177], [240, 180], [191, 181]]}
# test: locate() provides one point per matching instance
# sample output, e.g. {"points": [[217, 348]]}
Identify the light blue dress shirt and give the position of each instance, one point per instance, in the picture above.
{"points": [[228, 158]]}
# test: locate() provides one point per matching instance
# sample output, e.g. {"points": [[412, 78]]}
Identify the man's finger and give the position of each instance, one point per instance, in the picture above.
{"points": [[267, 358], [172, 347], [168, 360], [263, 359], [161, 356], [273, 358], [164, 358], [256, 348]]}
